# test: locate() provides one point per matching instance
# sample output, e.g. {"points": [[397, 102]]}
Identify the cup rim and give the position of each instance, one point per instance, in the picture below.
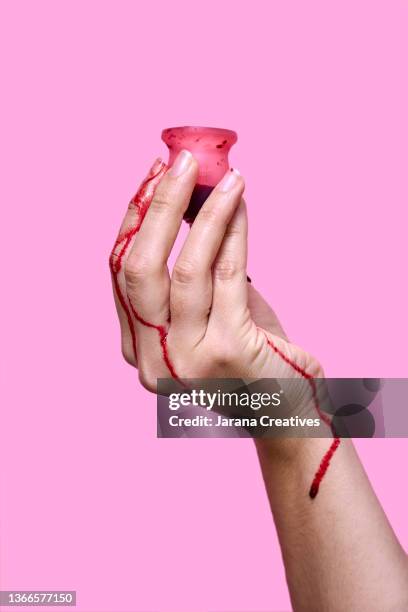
{"points": [[195, 129]]}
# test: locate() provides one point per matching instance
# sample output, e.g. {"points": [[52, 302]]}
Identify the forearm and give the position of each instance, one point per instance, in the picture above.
{"points": [[339, 550]]}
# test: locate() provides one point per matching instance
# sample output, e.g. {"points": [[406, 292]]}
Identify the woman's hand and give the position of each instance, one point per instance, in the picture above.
{"points": [[205, 321]]}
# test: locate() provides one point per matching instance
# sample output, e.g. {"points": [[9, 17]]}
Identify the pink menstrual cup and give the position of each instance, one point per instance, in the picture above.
{"points": [[210, 147]]}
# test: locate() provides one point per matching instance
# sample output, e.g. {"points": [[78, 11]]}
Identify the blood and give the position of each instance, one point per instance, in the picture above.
{"points": [[163, 340], [198, 197], [325, 462], [324, 466], [141, 202], [222, 144]]}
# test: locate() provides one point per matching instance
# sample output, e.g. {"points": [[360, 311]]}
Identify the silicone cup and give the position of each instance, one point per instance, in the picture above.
{"points": [[210, 147]]}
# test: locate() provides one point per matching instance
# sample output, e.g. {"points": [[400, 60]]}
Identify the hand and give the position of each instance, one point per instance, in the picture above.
{"points": [[205, 321]]}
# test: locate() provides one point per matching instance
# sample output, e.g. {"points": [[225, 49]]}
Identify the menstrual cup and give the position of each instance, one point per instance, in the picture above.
{"points": [[210, 147]]}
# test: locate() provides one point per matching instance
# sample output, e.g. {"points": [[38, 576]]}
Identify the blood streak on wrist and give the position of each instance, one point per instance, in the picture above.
{"points": [[325, 462]]}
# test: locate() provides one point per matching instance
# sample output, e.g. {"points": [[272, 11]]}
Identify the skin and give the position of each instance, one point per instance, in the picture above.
{"points": [[339, 551]]}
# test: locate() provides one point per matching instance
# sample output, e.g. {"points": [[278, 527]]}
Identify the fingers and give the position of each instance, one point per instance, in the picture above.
{"points": [[130, 225], [191, 286], [146, 267], [147, 277], [134, 215], [230, 291]]}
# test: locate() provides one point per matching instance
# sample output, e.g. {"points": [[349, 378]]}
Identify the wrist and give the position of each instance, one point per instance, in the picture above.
{"points": [[279, 449], [290, 450]]}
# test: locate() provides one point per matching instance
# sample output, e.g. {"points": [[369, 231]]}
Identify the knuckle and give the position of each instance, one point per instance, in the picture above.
{"points": [[208, 215], [147, 379], [161, 202], [178, 305], [315, 368], [223, 356], [136, 269], [225, 269], [112, 261], [233, 230], [127, 354], [184, 272]]}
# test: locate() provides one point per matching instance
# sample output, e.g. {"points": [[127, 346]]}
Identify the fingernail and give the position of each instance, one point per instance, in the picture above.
{"points": [[181, 163], [158, 162], [229, 180], [156, 171], [157, 166]]}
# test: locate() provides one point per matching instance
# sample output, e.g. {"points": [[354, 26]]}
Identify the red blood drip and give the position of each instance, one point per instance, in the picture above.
{"points": [[161, 330], [324, 466], [140, 202], [115, 266], [325, 462]]}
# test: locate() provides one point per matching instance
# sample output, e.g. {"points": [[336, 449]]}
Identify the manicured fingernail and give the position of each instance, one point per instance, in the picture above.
{"points": [[156, 164], [229, 180], [156, 172], [181, 163]]}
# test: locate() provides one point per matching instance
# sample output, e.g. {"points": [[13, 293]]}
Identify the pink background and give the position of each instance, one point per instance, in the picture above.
{"points": [[318, 93]]}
